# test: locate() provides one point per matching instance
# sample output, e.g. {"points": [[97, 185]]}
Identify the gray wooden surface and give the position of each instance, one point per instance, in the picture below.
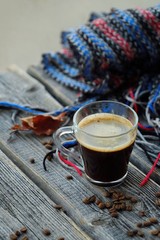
{"points": [[26, 189]]}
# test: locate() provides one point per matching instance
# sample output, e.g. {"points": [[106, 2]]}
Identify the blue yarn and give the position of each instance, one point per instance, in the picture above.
{"points": [[153, 100], [84, 53], [101, 46], [71, 71], [137, 31], [20, 107], [68, 109]]}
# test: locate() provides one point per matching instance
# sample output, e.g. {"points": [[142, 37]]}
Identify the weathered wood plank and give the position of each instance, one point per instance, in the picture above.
{"points": [[138, 157], [22, 203], [65, 95], [95, 222]]}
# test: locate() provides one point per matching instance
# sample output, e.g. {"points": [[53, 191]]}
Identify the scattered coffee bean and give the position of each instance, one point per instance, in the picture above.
{"points": [[50, 142], [101, 205], [46, 232], [140, 233], [133, 200], [139, 224], [157, 194], [49, 157], [109, 204], [48, 146], [153, 220], [32, 160], [17, 233], [107, 194], [154, 232], [98, 201], [112, 209], [25, 238], [128, 197], [114, 214], [141, 213], [147, 223], [157, 202], [89, 200], [69, 177], [115, 196], [129, 208], [58, 207], [62, 238], [130, 233], [13, 236], [23, 230]]}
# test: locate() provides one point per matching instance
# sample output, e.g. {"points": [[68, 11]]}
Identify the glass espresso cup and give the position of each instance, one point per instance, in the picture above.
{"points": [[105, 132]]}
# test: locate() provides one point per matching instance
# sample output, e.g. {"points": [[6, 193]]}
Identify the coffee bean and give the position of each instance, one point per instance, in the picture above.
{"points": [[129, 208], [154, 232], [32, 160], [140, 233], [17, 233], [141, 213], [13, 236], [62, 238], [58, 207], [89, 200], [25, 238], [133, 200], [109, 204], [130, 233], [107, 194], [139, 224], [147, 224], [115, 196], [48, 146], [135, 231], [157, 194], [69, 177], [153, 220], [112, 209], [98, 201], [128, 197], [23, 230], [101, 205], [46, 232], [157, 202], [114, 214], [49, 157]]}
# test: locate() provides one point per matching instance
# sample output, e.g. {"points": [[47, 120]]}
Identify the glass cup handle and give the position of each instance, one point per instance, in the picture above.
{"points": [[65, 146]]}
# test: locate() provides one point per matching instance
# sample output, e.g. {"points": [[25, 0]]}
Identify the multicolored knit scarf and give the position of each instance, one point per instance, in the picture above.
{"points": [[115, 52]]}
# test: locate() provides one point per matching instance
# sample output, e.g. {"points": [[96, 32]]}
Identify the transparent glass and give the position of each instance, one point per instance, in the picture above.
{"points": [[105, 132]]}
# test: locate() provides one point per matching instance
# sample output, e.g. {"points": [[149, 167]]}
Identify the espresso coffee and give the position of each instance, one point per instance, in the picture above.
{"points": [[106, 142]]}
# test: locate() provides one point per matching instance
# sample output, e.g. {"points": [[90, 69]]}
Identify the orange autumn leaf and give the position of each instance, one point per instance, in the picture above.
{"points": [[41, 124]]}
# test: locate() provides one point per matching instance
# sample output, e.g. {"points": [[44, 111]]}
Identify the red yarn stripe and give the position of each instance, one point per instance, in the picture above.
{"points": [[151, 19], [145, 180], [132, 96], [109, 32], [67, 52], [69, 163]]}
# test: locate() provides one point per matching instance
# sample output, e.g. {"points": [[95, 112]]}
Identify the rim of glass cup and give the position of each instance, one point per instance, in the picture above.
{"points": [[105, 101]]}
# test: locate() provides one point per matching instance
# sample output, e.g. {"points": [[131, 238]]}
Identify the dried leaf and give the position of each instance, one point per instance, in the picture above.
{"points": [[41, 124]]}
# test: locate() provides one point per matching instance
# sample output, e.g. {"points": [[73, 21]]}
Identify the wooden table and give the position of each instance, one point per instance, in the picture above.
{"points": [[38, 200]]}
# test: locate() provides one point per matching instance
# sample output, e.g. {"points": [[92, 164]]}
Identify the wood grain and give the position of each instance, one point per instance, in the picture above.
{"points": [[22, 203], [64, 95]]}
